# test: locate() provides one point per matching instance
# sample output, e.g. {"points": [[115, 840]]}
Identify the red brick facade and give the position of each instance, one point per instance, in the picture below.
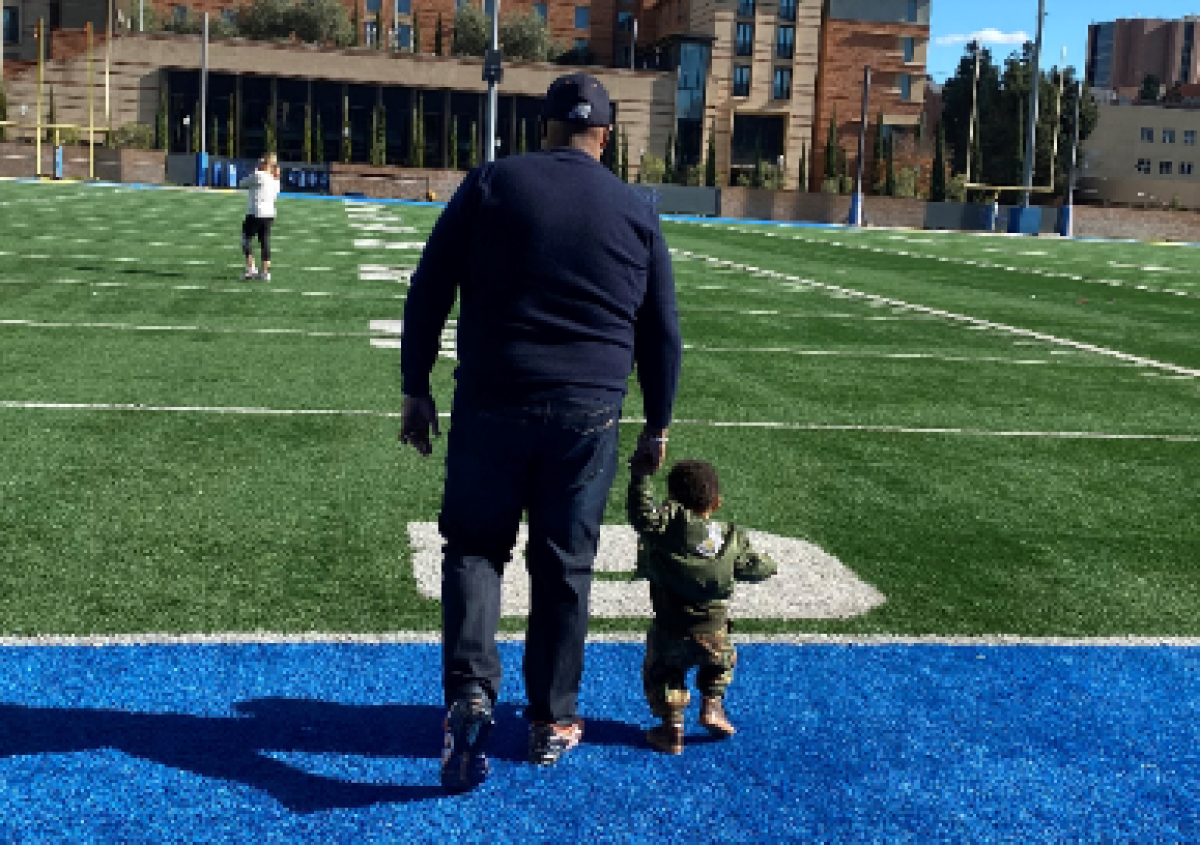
{"points": [[846, 48]]}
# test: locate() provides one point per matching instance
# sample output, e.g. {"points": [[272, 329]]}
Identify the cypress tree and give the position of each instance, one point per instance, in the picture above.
{"points": [[669, 159], [624, 156], [804, 167], [937, 182], [319, 143], [889, 182], [437, 37], [160, 122], [710, 157], [474, 144], [354, 21], [416, 32], [877, 176], [306, 149], [831, 146]]}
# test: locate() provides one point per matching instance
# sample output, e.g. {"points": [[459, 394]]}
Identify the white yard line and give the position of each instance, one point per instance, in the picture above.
{"points": [[215, 330], [838, 290], [1168, 437], [1117, 283], [435, 638], [245, 288]]}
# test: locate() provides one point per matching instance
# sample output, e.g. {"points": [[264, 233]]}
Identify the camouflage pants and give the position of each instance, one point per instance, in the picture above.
{"points": [[668, 659]]}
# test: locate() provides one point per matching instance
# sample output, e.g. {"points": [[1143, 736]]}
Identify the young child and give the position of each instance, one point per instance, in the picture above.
{"points": [[691, 562], [260, 214]]}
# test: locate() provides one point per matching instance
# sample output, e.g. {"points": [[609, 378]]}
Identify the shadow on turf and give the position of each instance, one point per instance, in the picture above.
{"points": [[236, 748]]}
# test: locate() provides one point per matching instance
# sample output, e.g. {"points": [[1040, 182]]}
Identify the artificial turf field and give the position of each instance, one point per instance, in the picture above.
{"points": [[998, 435]]}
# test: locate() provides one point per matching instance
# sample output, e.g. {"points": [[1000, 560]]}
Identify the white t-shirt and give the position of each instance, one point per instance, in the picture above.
{"points": [[264, 188]]}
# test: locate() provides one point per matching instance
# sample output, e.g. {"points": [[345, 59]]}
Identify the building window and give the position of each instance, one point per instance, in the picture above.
{"points": [[1168, 136], [581, 45], [489, 8], [787, 10], [741, 80], [905, 87], [540, 8], [785, 42], [745, 8], [745, 40], [1185, 168], [180, 14], [1143, 165], [911, 15], [403, 7], [369, 30], [373, 6], [1148, 134], [910, 49], [782, 89], [1164, 168], [582, 16], [1189, 137], [404, 36], [12, 25]]}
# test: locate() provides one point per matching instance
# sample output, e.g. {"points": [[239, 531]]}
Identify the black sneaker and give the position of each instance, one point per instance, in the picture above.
{"points": [[549, 741], [467, 726]]}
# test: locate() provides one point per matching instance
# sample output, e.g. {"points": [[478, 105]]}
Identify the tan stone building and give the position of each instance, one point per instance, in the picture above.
{"points": [[1142, 155]]}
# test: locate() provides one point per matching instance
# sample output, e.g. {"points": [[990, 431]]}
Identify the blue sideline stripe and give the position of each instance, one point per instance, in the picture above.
{"points": [[339, 743]]}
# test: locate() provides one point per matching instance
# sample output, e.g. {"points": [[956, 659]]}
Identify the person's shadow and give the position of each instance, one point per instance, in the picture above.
{"points": [[236, 748]]}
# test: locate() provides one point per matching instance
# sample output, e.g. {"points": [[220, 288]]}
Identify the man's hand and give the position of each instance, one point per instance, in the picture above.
{"points": [[417, 416], [650, 453]]}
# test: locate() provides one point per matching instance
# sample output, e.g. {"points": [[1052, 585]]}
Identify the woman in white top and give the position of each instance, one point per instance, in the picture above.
{"points": [[264, 188]]}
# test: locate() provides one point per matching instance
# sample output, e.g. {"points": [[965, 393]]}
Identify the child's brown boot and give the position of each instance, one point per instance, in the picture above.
{"points": [[667, 737], [712, 717]]}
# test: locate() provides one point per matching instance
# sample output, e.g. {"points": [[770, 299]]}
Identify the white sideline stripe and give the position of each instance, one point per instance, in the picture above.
{"points": [[131, 327], [961, 318], [435, 637], [1184, 437]]}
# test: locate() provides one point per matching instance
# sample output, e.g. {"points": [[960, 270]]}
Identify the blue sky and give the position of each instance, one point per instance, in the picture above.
{"points": [[1003, 25]]}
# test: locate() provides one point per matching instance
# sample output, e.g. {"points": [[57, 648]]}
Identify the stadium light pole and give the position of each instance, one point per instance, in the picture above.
{"points": [[856, 202], [493, 72], [974, 108], [1068, 221], [1031, 127], [202, 153]]}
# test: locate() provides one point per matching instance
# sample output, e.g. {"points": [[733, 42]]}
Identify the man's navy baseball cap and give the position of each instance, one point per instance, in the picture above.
{"points": [[579, 99]]}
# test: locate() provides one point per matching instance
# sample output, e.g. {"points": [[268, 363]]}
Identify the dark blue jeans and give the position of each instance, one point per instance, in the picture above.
{"points": [[555, 460]]}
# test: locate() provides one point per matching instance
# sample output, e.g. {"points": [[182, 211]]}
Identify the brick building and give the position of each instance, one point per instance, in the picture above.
{"points": [[1122, 53], [762, 77]]}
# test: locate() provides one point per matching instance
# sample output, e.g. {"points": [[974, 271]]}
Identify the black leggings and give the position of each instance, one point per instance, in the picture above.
{"points": [[259, 227]]}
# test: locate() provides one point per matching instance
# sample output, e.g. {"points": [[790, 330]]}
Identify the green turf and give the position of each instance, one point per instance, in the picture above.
{"points": [[126, 521]]}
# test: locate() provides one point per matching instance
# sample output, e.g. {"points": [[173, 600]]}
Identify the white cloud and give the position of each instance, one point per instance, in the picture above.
{"points": [[985, 36]]}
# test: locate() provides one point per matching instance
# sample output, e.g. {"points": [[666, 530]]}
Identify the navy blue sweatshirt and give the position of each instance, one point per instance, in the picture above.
{"points": [[565, 284]]}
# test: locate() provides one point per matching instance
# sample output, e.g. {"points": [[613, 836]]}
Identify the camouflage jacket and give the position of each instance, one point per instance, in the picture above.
{"points": [[690, 562]]}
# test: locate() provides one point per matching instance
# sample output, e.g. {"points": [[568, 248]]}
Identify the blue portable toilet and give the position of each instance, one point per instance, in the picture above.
{"points": [[233, 180], [58, 161], [217, 167]]}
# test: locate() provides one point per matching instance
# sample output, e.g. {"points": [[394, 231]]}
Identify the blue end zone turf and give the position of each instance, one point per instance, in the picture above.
{"points": [[339, 743]]}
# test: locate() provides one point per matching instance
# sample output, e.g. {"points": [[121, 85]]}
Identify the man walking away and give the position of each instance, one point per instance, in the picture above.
{"points": [[565, 283]]}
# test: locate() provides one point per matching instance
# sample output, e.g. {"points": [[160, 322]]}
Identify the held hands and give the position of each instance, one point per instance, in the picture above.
{"points": [[417, 416], [649, 454]]}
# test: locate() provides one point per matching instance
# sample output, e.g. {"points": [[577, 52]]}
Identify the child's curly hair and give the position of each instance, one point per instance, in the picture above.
{"points": [[694, 485]]}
